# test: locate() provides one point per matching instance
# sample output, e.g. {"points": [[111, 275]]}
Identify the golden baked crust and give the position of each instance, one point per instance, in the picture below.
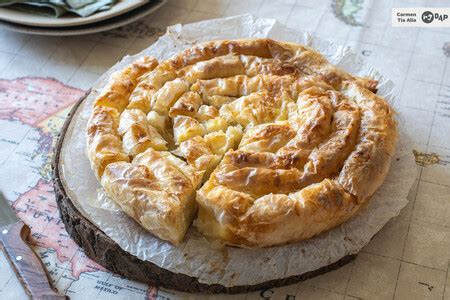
{"points": [[270, 141]]}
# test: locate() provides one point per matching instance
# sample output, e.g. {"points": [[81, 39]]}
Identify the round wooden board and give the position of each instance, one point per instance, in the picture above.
{"points": [[103, 250]]}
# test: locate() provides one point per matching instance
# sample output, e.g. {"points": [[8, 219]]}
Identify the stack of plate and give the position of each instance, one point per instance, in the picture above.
{"points": [[122, 13]]}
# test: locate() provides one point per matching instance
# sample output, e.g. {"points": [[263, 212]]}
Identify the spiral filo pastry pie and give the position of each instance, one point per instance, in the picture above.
{"points": [[262, 142]]}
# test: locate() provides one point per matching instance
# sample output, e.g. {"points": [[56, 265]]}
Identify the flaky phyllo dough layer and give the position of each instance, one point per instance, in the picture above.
{"points": [[262, 142]]}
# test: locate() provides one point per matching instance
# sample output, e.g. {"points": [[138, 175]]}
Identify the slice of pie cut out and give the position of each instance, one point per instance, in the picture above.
{"points": [[261, 142]]}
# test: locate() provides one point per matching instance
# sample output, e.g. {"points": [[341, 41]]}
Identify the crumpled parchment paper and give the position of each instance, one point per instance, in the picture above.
{"points": [[197, 257]]}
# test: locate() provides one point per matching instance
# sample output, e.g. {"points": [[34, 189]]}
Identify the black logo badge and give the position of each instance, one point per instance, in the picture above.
{"points": [[427, 17]]}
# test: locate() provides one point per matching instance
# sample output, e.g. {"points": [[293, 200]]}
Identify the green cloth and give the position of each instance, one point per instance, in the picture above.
{"points": [[57, 8]]}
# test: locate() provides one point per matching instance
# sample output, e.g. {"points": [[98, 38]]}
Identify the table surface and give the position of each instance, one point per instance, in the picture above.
{"points": [[42, 77]]}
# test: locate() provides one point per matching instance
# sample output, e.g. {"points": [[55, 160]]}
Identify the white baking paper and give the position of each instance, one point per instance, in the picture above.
{"points": [[197, 257]]}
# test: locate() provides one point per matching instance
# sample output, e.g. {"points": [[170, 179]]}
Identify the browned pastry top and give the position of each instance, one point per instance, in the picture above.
{"points": [[262, 142]]}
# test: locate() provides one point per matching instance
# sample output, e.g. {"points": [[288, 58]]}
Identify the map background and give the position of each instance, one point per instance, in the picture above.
{"points": [[41, 77]]}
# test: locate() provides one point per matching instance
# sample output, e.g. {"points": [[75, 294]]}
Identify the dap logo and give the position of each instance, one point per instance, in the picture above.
{"points": [[428, 17]]}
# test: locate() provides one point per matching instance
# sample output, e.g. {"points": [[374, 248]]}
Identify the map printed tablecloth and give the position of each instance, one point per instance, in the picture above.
{"points": [[41, 78]]}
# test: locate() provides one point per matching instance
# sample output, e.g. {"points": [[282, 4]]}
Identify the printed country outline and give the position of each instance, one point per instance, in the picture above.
{"points": [[37, 206], [446, 49], [40, 199], [26, 100], [346, 10]]}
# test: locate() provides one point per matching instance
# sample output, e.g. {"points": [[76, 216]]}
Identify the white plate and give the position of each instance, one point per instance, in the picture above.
{"points": [[89, 28], [29, 19]]}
